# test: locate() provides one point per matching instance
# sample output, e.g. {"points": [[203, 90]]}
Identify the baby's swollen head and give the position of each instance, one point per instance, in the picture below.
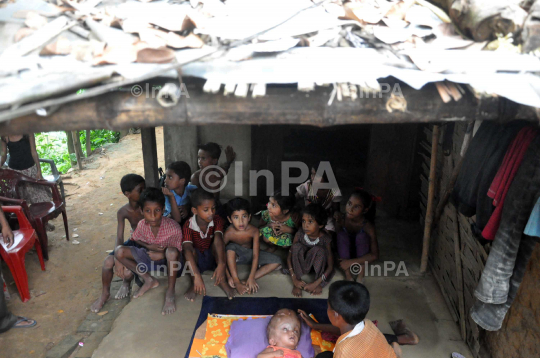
{"points": [[284, 329]]}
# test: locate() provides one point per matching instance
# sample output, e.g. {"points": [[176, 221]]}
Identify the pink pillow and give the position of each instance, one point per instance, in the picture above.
{"points": [[248, 338]]}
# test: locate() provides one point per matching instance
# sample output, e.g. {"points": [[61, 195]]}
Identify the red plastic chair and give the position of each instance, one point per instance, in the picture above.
{"points": [[39, 213], [24, 239]]}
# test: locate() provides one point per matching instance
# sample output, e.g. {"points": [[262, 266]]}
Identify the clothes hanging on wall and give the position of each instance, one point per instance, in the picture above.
{"points": [[511, 249], [480, 164], [504, 177], [533, 225]]}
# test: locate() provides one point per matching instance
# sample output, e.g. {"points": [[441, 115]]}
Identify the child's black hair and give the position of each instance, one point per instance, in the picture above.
{"points": [[199, 195], [238, 204], [211, 148], [182, 169], [350, 300], [286, 202], [367, 201], [153, 195], [317, 212], [130, 181]]}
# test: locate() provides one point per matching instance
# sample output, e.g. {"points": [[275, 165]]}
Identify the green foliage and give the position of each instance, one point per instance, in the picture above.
{"points": [[53, 145], [99, 137]]}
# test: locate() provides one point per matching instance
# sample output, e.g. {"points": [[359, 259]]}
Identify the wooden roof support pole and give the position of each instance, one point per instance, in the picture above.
{"points": [[149, 149], [77, 145], [431, 197]]}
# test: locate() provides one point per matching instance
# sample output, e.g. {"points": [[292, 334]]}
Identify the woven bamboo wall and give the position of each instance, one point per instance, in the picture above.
{"points": [[442, 249]]}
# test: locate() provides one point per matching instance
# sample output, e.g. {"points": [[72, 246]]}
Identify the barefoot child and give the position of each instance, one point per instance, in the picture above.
{"points": [[356, 238], [348, 305], [311, 250], [242, 247], [283, 334], [177, 187], [160, 243], [132, 185], [211, 178], [328, 198], [278, 224], [203, 245]]}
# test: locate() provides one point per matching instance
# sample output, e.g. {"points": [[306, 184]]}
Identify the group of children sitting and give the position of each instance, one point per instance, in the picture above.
{"points": [[182, 224]]}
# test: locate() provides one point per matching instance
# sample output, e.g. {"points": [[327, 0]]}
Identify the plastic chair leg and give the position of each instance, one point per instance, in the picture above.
{"points": [[19, 271], [37, 245], [43, 239], [64, 216], [62, 191]]}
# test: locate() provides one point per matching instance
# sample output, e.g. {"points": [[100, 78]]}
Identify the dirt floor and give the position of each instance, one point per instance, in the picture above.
{"points": [[62, 295]]}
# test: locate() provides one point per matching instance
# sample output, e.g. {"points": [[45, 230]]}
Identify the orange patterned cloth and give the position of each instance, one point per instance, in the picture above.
{"points": [[370, 343]]}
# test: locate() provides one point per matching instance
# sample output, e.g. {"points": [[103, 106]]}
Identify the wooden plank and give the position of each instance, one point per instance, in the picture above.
{"points": [[445, 295], [149, 149], [281, 105]]}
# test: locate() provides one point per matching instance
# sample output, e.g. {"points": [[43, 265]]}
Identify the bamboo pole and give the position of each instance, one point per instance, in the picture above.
{"points": [[77, 145], [431, 198], [459, 272]]}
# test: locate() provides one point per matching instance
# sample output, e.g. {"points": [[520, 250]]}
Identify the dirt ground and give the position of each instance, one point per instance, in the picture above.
{"points": [[62, 295]]}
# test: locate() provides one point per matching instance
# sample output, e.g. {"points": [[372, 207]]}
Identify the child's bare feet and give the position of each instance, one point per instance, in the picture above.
{"points": [[148, 285], [241, 288], [170, 303], [231, 292], [98, 304], [405, 335], [190, 294], [317, 291], [297, 292], [231, 282], [123, 292]]}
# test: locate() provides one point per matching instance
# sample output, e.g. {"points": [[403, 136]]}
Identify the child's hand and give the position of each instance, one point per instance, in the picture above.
{"points": [[230, 154], [252, 286], [338, 217], [219, 275], [279, 353], [298, 284], [199, 286], [309, 321], [119, 269], [156, 255], [167, 192], [155, 247], [183, 211], [277, 229]]}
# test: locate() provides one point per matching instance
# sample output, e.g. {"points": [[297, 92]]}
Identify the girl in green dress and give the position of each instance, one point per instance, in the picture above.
{"points": [[279, 223]]}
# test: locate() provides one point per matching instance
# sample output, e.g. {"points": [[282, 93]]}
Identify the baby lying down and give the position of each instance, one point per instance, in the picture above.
{"points": [[283, 335]]}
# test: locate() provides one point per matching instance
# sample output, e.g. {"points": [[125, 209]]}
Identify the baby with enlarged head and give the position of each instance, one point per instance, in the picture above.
{"points": [[283, 335]]}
